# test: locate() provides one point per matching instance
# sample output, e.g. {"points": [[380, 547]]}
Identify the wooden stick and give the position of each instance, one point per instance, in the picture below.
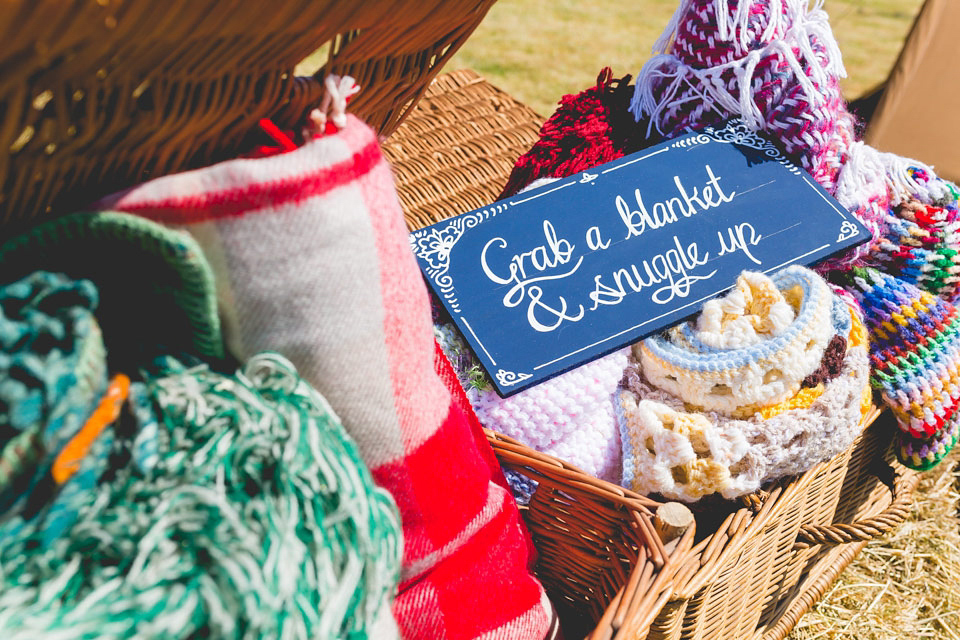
{"points": [[671, 520]]}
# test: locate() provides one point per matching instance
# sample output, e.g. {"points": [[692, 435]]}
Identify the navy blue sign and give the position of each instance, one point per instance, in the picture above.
{"points": [[562, 274]]}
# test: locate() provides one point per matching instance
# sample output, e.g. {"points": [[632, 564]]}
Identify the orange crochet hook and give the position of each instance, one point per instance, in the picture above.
{"points": [[68, 460]]}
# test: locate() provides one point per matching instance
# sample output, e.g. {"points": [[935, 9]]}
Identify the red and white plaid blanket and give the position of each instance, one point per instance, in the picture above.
{"points": [[311, 257]]}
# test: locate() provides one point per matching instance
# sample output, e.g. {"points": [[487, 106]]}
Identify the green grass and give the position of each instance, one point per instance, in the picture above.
{"points": [[538, 51]]}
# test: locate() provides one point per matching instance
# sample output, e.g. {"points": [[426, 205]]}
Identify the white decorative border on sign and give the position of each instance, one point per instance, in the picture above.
{"points": [[509, 378], [692, 141], [434, 246], [847, 230], [737, 132]]}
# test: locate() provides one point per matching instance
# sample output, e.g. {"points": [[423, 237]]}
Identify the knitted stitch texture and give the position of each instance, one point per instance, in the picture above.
{"points": [[915, 355], [754, 346], [776, 65], [570, 416], [922, 246], [676, 448], [923, 455], [252, 517]]}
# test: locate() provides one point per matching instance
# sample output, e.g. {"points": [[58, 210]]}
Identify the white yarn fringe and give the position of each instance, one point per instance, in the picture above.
{"points": [[868, 172], [904, 186], [862, 175], [710, 86]]}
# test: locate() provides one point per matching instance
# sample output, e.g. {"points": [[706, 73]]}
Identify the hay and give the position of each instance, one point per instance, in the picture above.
{"points": [[905, 584]]}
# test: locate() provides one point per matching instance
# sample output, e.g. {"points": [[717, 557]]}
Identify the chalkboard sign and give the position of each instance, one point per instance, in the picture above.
{"points": [[559, 275]]}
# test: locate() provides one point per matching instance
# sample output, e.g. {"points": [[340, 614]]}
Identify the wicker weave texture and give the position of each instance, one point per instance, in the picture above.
{"points": [[599, 556], [760, 571], [100, 94], [455, 150]]}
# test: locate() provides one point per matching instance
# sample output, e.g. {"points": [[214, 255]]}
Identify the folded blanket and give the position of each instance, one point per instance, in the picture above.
{"points": [[915, 357], [752, 347], [570, 416]]}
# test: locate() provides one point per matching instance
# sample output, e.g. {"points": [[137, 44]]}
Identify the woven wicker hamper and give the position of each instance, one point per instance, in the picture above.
{"points": [[768, 562], [98, 95], [758, 563]]}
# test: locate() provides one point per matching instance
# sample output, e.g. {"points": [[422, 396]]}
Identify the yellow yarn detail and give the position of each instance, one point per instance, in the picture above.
{"points": [[794, 296], [866, 400], [754, 303], [804, 398], [703, 475], [858, 332], [801, 400]]}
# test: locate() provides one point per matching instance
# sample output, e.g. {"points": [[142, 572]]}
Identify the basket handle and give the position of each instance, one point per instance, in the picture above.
{"points": [[900, 484]]}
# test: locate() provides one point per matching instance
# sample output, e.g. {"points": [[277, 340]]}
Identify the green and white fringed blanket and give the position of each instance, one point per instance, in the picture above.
{"points": [[238, 510]]}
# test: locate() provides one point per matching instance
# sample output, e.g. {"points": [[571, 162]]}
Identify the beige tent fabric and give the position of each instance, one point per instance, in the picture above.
{"points": [[919, 114]]}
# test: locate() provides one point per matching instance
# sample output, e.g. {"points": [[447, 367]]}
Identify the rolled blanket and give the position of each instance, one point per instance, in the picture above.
{"points": [[312, 259], [685, 447]]}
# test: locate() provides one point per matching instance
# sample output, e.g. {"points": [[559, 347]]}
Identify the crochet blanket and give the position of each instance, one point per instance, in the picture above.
{"points": [[770, 380]]}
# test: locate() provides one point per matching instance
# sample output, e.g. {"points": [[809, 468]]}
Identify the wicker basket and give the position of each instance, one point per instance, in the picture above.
{"points": [[101, 94], [759, 563]]}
